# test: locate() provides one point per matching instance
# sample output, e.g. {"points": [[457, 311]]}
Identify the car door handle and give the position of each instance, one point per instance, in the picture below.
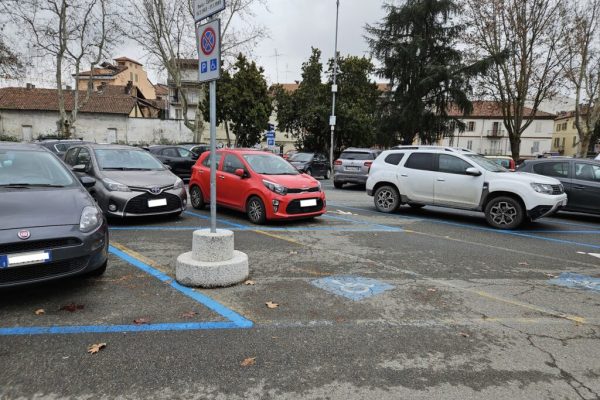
{"points": [[441, 180], [404, 175], [222, 176], [579, 187]]}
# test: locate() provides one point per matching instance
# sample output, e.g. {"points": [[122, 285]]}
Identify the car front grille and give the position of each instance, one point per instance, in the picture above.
{"points": [[34, 245], [295, 208], [34, 272], [557, 189], [139, 204], [309, 190]]}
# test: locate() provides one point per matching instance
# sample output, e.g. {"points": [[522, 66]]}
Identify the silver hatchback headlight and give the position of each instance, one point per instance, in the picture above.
{"points": [[91, 218], [178, 184]]}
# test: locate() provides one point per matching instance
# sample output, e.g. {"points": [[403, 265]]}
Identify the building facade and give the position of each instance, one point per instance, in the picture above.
{"points": [[565, 138], [485, 132]]}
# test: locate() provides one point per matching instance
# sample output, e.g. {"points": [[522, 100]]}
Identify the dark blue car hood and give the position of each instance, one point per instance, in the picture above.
{"points": [[34, 207]]}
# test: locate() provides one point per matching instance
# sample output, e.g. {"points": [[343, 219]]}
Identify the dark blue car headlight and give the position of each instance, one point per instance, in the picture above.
{"points": [[91, 219]]}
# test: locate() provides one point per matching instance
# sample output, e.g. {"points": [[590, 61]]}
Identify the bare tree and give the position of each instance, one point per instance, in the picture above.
{"points": [[165, 30], [72, 32], [582, 66], [529, 31], [10, 64]]}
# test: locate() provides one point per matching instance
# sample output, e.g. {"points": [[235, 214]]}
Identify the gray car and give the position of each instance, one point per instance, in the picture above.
{"points": [[353, 166], [580, 178], [129, 181], [50, 227]]}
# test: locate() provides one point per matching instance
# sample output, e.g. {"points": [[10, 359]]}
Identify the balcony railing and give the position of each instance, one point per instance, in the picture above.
{"points": [[495, 133]]}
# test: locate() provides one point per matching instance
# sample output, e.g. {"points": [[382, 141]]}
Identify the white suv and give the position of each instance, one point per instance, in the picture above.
{"points": [[459, 178]]}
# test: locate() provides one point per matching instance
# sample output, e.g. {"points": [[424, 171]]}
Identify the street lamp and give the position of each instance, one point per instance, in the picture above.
{"points": [[332, 119]]}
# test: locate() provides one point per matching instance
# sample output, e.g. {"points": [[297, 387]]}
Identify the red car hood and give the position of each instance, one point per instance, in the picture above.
{"points": [[293, 181]]}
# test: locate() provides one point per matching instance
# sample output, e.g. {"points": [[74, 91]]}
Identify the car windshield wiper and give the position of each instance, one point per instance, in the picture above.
{"points": [[126, 169], [27, 185]]}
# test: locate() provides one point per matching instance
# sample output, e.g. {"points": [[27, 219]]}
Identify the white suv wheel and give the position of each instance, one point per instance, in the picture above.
{"points": [[387, 199], [504, 213]]}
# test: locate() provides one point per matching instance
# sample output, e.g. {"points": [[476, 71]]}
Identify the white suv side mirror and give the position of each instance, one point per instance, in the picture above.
{"points": [[473, 171]]}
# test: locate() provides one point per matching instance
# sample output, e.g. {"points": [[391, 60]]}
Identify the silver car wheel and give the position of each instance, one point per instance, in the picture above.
{"points": [[255, 210], [386, 199], [503, 213]]}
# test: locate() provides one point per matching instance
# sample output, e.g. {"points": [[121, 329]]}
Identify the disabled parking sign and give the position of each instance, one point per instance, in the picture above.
{"points": [[208, 37], [352, 287]]}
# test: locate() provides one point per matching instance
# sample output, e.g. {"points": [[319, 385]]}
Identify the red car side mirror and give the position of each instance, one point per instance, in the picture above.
{"points": [[240, 172]]}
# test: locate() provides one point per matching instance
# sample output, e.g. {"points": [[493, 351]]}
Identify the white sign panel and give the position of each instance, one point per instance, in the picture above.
{"points": [[209, 50], [206, 8]]}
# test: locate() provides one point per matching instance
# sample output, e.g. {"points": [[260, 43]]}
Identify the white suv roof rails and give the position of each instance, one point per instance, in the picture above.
{"points": [[427, 147]]}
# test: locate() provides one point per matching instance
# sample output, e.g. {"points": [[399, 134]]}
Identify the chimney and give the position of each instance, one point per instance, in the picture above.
{"points": [[129, 87], [101, 86], [68, 87], [30, 86]]}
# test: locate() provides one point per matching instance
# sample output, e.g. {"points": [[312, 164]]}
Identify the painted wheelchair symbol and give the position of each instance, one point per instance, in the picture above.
{"points": [[353, 287]]}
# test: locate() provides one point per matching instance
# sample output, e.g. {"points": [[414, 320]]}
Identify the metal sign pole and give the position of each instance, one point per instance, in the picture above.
{"points": [[213, 156]]}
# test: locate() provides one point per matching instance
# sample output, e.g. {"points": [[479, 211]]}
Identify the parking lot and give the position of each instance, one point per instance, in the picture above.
{"points": [[419, 304]]}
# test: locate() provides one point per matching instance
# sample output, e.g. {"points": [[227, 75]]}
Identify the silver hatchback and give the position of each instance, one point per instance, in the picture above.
{"points": [[353, 166]]}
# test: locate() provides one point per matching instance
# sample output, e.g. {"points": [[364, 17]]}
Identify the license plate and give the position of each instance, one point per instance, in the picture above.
{"points": [[14, 260], [352, 168], [308, 203], [157, 203]]}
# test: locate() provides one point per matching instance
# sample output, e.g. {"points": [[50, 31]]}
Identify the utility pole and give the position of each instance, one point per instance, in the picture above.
{"points": [[332, 119]]}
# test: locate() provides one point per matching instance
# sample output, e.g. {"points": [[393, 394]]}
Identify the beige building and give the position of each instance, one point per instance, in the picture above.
{"points": [[565, 139], [120, 74]]}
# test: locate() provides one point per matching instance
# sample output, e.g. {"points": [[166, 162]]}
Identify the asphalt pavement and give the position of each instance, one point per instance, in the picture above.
{"points": [[420, 304]]}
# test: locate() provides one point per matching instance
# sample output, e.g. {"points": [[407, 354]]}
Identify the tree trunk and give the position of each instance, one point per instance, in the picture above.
{"points": [[515, 147], [584, 145], [227, 134]]}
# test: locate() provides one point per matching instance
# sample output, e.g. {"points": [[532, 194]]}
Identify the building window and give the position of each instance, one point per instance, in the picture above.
{"points": [[557, 127], [178, 114], [470, 144], [131, 76], [538, 126], [564, 126], [471, 126], [556, 142], [574, 141], [536, 147], [563, 142], [136, 77]]}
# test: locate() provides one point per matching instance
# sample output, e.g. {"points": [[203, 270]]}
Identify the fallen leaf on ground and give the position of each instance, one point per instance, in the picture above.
{"points": [[550, 275], [189, 314], [41, 311], [169, 281], [293, 252], [141, 321], [72, 307], [270, 304], [523, 263], [432, 290], [248, 362], [249, 282], [463, 334], [95, 348]]}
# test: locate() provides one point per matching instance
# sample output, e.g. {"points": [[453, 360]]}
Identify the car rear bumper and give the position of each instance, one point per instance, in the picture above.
{"points": [[71, 253], [350, 178]]}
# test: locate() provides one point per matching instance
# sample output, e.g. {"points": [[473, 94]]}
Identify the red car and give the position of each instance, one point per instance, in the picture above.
{"points": [[263, 185]]}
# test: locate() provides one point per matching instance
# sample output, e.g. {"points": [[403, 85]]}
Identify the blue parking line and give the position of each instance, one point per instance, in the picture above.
{"points": [[478, 228], [235, 321], [222, 220], [361, 222], [596, 232], [260, 228]]}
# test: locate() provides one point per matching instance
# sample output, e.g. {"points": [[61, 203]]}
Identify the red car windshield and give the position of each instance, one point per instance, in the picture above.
{"points": [[266, 164]]}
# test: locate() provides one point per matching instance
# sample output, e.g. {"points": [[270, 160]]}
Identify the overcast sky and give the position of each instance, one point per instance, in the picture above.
{"points": [[296, 25]]}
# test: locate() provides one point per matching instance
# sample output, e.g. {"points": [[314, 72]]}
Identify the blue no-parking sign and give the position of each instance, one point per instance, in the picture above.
{"points": [[208, 37]]}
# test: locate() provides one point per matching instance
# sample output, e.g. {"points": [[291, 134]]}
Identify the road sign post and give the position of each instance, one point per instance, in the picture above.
{"points": [[208, 37]]}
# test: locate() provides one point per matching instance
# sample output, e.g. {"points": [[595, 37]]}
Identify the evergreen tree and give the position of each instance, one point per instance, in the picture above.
{"points": [[417, 46], [243, 102]]}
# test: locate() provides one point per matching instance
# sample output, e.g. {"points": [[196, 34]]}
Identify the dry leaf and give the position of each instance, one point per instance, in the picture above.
{"points": [[463, 334], [95, 348], [41, 311], [432, 290], [523, 263], [249, 282], [72, 307], [550, 275], [293, 252], [189, 314], [141, 321], [248, 362], [270, 304]]}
